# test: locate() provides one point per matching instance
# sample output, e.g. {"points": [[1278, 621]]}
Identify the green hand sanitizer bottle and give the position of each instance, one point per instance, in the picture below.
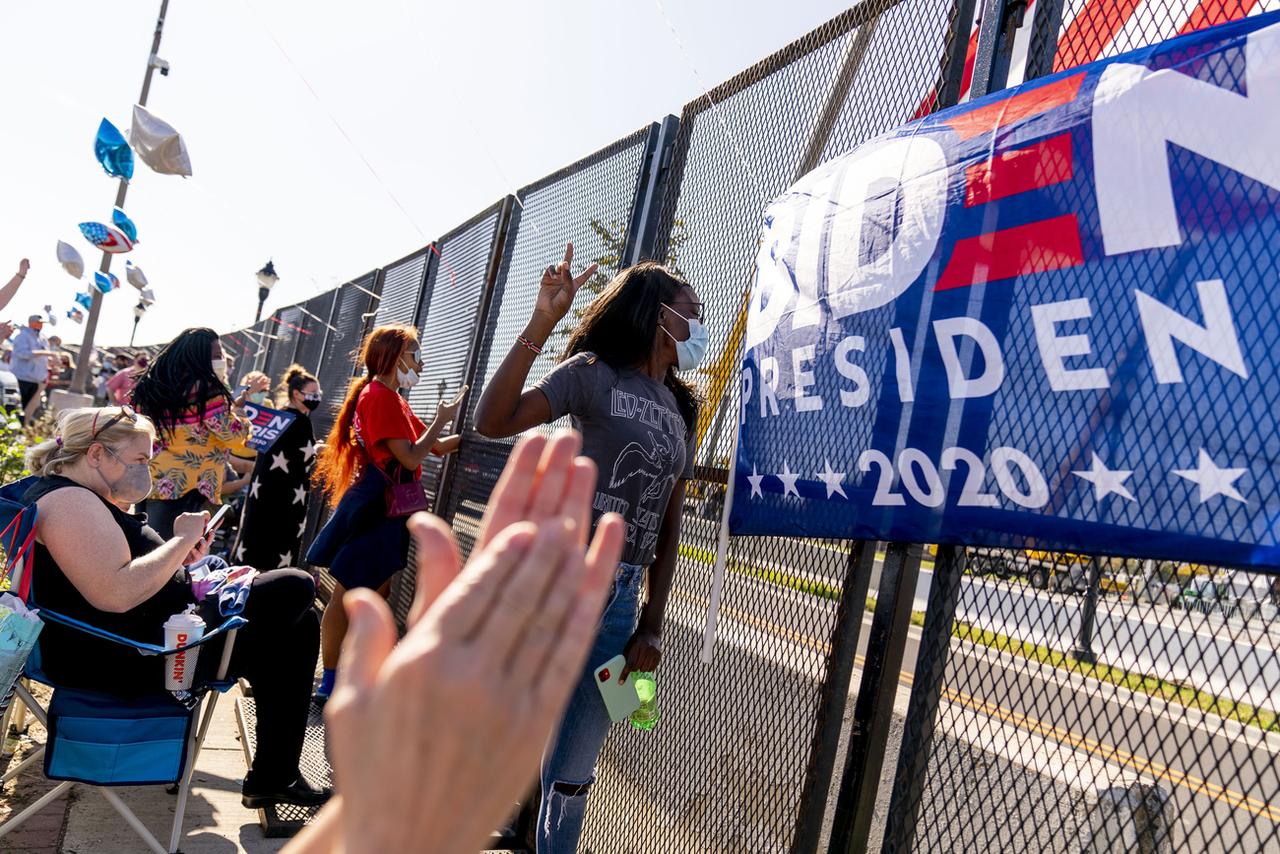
{"points": [[646, 716]]}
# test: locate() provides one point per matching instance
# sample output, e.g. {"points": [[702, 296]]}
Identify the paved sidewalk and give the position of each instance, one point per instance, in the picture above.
{"points": [[85, 822]]}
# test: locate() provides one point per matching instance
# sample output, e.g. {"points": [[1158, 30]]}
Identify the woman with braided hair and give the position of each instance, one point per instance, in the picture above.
{"points": [[199, 427]]}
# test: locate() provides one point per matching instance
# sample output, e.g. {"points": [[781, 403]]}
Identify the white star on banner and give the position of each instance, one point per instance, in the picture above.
{"points": [[253, 488], [240, 551], [1213, 480], [788, 478], [308, 451], [286, 559], [302, 527], [278, 461], [832, 479], [755, 479], [1106, 481], [299, 494]]}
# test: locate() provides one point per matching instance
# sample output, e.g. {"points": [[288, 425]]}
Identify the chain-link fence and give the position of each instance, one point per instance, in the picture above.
{"points": [[1004, 699]]}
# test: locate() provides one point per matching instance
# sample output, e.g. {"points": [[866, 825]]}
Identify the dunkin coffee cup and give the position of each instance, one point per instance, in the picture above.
{"points": [[180, 667]]}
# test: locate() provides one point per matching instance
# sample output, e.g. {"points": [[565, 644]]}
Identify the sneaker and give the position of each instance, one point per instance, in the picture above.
{"points": [[298, 793]]}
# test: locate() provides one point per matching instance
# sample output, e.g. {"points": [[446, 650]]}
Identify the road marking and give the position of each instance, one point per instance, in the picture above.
{"points": [[1118, 756], [1101, 750]]}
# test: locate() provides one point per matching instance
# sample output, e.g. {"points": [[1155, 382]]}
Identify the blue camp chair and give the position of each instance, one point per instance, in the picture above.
{"points": [[97, 739]]}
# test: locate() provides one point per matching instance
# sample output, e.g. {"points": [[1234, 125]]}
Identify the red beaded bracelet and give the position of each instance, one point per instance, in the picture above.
{"points": [[529, 345]]}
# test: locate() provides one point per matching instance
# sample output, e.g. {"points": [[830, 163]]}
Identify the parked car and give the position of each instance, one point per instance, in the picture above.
{"points": [[10, 397]]}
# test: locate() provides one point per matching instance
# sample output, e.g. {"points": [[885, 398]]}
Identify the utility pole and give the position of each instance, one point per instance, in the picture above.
{"points": [[80, 379]]}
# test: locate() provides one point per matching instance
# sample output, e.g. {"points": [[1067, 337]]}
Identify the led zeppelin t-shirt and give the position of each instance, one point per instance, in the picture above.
{"points": [[633, 431]]}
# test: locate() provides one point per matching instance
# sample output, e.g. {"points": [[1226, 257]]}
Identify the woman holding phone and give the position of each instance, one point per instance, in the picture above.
{"points": [[376, 441], [618, 383], [97, 562]]}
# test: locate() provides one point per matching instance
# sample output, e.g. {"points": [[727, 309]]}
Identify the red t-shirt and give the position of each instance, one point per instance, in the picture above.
{"points": [[381, 414]]}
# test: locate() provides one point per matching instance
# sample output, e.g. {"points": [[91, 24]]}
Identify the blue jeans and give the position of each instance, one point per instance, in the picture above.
{"points": [[569, 765]]}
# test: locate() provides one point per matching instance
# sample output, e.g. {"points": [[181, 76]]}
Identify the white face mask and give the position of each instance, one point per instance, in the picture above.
{"points": [[220, 369], [407, 378], [691, 351]]}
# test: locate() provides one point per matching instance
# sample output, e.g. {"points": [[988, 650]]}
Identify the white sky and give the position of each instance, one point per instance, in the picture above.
{"points": [[453, 105]]}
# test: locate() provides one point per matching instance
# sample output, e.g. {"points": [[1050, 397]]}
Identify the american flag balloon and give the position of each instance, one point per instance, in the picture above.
{"points": [[105, 237], [105, 282]]}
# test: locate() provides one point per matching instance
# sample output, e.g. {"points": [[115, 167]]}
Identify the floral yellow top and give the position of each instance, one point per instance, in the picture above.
{"points": [[195, 455]]}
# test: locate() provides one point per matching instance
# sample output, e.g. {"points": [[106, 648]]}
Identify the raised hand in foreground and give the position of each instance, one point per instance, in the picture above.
{"points": [[434, 738]]}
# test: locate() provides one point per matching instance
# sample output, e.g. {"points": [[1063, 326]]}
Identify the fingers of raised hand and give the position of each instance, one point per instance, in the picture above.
{"points": [[555, 471], [515, 485], [563, 661], [471, 603], [581, 280], [533, 602], [457, 400], [438, 561], [578, 496], [369, 640]]}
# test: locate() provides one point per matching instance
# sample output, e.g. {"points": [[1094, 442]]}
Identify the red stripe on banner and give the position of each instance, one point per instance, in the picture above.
{"points": [[1046, 163], [1051, 244], [1212, 12], [1091, 31], [1012, 110]]}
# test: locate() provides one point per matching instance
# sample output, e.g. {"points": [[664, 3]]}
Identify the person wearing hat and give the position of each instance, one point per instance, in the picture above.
{"points": [[31, 365]]}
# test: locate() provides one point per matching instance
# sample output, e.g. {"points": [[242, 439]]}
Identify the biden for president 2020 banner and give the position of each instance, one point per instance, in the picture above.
{"points": [[1050, 318]]}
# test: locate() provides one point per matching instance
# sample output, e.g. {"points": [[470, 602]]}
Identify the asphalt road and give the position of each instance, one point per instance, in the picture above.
{"points": [[1020, 754]]}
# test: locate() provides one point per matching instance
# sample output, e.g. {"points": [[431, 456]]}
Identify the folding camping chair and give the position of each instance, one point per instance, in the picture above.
{"points": [[100, 740]]}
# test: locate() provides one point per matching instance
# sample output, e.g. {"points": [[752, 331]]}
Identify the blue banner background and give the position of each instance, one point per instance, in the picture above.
{"points": [[1231, 229]]}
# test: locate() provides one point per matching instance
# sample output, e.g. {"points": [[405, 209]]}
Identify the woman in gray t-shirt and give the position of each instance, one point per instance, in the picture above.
{"points": [[619, 386]]}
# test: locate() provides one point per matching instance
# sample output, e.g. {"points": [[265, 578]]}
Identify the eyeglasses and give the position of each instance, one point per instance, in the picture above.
{"points": [[126, 411]]}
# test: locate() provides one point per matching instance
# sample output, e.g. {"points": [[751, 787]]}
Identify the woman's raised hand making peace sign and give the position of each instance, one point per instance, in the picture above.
{"points": [[558, 287]]}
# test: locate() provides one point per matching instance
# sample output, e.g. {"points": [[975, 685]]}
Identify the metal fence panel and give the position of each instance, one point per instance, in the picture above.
{"points": [[1067, 702], [589, 204], [401, 286], [740, 760], [280, 354], [451, 301], [337, 363], [315, 320]]}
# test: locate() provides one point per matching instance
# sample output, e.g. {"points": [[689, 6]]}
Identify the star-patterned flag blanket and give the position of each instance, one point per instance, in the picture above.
{"points": [[1047, 318], [275, 509]]}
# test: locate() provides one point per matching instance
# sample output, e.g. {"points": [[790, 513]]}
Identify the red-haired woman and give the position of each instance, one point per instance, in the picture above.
{"points": [[376, 438]]}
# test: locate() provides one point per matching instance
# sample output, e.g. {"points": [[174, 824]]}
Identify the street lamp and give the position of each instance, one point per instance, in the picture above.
{"points": [[266, 280], [138, 310]]}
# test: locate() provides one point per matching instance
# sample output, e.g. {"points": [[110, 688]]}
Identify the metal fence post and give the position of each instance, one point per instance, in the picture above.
{"points": [[835, 696], [1045, 27], [642, 227], [447, 470], [926, 688], [873, 711], [1083, 650]]}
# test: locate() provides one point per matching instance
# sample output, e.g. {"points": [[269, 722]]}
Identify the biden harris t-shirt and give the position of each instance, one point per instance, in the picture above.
{"points": [[633, 431]]}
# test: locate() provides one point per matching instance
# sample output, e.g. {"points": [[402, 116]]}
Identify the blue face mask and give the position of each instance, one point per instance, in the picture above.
{"points": [[258, 397], [691, 351]]}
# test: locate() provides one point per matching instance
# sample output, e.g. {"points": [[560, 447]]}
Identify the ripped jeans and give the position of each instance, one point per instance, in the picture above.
{"points": [[569, 764]]}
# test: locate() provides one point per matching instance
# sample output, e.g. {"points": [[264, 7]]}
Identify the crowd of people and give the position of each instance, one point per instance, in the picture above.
{"points": [[499, 654]]}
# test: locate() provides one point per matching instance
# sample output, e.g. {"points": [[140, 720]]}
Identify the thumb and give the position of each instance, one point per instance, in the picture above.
{"points": [[369, 641]]}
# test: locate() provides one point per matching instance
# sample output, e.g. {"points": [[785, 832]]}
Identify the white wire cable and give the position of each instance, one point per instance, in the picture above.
{"points": [[715, 108], [337, 124]]}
